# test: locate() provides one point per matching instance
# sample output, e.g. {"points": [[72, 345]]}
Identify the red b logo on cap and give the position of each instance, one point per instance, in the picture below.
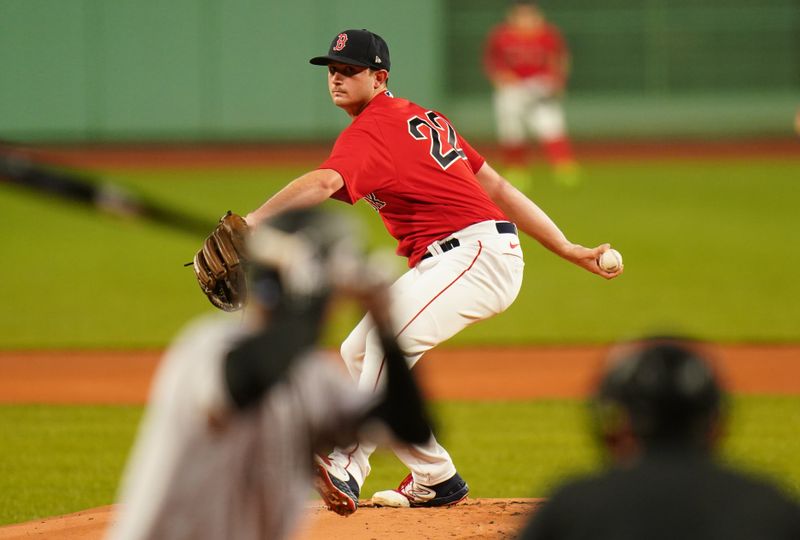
{"points": [[340, 42]]}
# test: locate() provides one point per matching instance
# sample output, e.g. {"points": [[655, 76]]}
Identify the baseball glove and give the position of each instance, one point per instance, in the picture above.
{"points": [[218, 264]]}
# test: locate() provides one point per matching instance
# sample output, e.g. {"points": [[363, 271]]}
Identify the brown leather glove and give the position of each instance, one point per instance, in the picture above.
{"points": [[218, 264]]}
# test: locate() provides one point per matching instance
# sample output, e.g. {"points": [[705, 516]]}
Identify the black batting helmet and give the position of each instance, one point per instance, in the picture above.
{"points": [[295, 256], [665, 389]]}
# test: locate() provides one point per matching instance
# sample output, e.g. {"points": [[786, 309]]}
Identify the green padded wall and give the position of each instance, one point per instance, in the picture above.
{"points": [[227, 70], [127, 70], [43, 67]]}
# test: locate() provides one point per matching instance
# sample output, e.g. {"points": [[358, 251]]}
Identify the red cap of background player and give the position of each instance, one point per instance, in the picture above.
{"points": [[357, 47]]}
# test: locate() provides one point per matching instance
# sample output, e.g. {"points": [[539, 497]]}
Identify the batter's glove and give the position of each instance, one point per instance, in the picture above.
{"points": [[218, 264]]}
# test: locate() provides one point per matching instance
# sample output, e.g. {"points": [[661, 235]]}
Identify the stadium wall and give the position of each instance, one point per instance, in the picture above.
{"points": [[229, 70]]}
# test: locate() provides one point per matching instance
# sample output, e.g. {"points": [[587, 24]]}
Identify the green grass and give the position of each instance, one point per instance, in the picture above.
{"points": [[708, 248], [56, 460], [523, 449]]}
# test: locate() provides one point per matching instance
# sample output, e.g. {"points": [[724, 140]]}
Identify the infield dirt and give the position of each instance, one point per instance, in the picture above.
{"points": [[491, 373]]}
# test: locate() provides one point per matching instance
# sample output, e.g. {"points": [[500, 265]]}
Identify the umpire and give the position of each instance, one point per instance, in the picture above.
{"points": [[658, 412]]}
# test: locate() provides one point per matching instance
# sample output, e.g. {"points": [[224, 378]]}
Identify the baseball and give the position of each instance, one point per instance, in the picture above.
{"points": [[610, 260]]}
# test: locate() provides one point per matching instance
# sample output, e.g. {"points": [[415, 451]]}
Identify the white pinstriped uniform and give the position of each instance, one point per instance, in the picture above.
{"points": [[245, 478]]}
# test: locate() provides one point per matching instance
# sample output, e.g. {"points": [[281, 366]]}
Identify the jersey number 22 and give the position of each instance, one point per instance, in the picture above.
{"points": [[438, 127]]}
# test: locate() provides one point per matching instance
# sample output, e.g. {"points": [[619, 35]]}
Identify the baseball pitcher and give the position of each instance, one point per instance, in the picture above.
{"points": [[455, 220]]}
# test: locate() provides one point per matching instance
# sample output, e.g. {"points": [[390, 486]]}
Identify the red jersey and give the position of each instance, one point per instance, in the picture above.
{"points": [[412, 167], [526, 54]]}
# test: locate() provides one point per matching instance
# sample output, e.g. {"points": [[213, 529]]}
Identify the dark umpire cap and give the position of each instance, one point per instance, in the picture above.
{"points": [[665, 386], [357, 47]]}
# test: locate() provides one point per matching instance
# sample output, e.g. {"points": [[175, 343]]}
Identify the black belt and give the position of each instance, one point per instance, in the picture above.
{"points": [[506, 227], [503, 227]]}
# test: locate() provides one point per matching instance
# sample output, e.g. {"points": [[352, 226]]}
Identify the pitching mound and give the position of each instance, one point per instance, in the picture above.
{"points": [[472, 519]]}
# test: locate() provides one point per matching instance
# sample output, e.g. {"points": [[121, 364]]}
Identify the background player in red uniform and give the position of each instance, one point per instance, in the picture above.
{"points": [[451, 214], [527, 62]]}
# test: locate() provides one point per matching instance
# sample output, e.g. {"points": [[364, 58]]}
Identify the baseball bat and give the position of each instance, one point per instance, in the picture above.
{"points": [[18, 168]]}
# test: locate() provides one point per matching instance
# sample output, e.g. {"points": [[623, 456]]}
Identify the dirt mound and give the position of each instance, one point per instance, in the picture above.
{"points": [[85, 525], [472, 519]]}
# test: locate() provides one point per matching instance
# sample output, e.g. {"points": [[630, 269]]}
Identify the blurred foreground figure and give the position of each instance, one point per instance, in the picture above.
{"points": [[238, 408], [658, 412]]}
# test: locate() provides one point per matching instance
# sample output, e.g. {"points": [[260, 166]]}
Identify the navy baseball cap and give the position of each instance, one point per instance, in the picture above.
{"points": [[358, 48]]}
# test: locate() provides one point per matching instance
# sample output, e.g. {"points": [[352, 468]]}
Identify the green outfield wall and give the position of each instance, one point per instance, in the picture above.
{"points": [[227, 70]]}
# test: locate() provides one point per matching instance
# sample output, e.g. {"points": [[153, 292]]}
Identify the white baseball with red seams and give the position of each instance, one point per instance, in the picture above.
{"points": [[610, 260]]}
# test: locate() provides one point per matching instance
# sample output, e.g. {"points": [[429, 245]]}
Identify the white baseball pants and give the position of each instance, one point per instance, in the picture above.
{"points": [[528, 105], [432, 302]]}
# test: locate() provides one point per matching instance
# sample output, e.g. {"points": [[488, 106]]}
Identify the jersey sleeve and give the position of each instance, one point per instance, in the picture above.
{"points": [[363, 160], [474, 159]]}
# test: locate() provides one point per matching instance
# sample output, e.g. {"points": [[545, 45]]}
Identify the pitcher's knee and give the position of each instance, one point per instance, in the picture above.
{"points": [[413, 348]]}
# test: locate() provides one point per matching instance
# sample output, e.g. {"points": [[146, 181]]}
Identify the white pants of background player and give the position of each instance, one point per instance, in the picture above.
{"points": [[528, 105], [432, 302]]}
